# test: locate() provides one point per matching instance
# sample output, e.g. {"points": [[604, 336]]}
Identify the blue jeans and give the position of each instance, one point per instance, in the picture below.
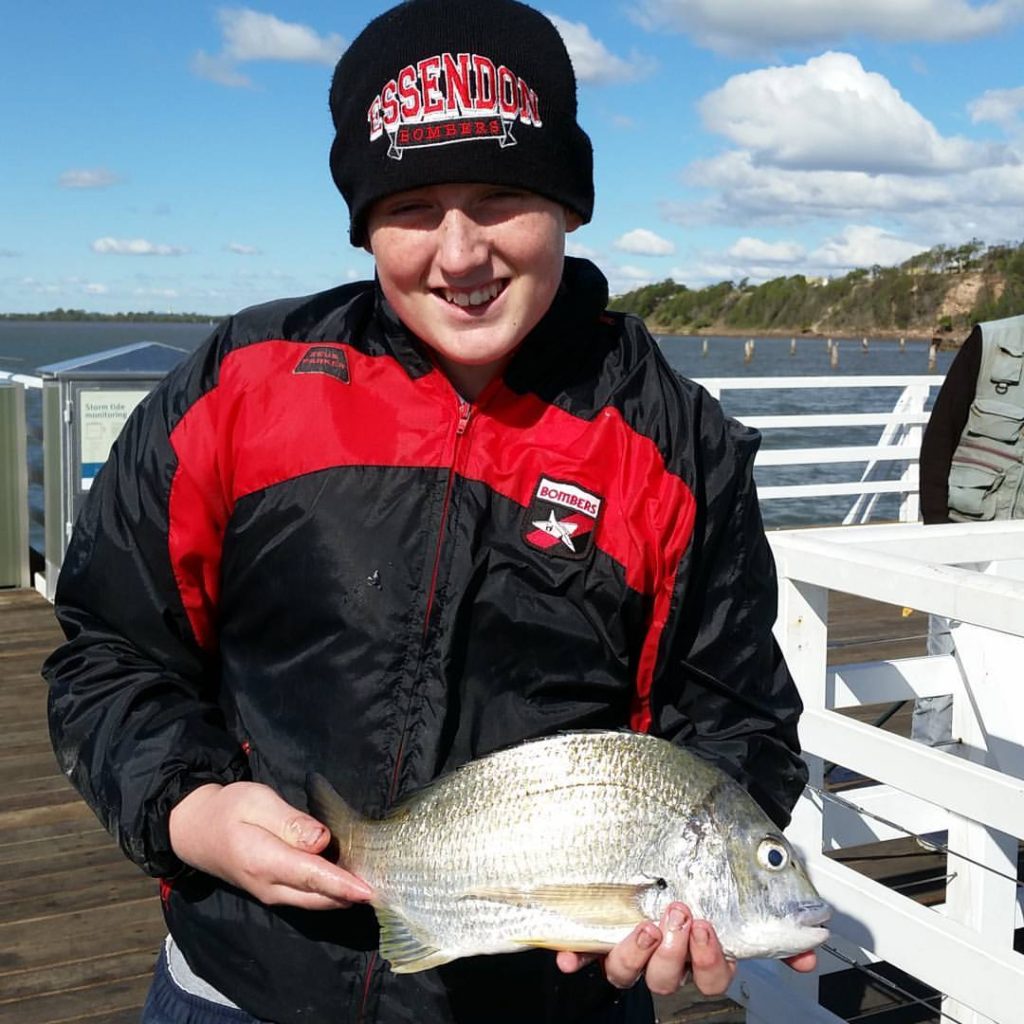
{"points": [[169, 1004]]}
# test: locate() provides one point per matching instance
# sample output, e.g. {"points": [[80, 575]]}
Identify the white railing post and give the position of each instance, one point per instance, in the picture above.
{"points": [[14, 560]]}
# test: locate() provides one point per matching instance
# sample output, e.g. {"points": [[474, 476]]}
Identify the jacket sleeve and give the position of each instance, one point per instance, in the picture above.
{"points": [[721, 685], [133, 710], [945, 425]]}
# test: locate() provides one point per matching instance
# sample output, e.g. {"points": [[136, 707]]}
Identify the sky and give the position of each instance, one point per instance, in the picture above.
{"points": [[173, 156]]}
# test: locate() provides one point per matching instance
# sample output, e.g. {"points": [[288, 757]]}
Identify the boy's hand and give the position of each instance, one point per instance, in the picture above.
{"points": [[245, 834], [665, 956]]}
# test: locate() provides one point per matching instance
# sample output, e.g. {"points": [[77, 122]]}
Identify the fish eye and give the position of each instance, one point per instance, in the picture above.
{"points": [[772, 854]]}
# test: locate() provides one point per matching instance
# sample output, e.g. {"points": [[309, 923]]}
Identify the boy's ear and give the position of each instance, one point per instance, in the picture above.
{"points": [[572, 220]]}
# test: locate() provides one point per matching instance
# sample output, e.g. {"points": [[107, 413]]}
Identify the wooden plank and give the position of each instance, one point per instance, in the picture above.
{"points": [[96, 1002], [125, 925]]}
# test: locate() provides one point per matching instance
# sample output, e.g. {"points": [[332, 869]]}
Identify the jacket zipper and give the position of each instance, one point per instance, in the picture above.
{"points": [[465, 411]]}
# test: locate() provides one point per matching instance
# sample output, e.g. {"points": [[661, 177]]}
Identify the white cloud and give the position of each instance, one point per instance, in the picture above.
{"points": [[242, 250], [94, 288], [864, 245], [1003, 106], [584, 252], [592, 60], [249, 35], [135, 247], [645, 243], [739, 26], [831, 114], [756, 249], [9, 254], [98, 177]]}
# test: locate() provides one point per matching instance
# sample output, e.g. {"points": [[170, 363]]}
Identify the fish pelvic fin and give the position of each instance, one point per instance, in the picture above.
{"points": [[601, 905], [406, 952], [328, 807]]}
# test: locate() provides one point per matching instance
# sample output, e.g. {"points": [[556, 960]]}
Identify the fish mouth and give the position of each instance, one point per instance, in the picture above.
{"points": [[813, 914]]}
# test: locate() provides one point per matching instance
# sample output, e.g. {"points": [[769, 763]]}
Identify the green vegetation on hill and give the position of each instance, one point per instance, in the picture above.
{"points": [[939, 292]]}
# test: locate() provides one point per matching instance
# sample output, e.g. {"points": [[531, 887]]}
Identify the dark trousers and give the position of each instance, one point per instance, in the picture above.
{"points": [[169, 1004]]}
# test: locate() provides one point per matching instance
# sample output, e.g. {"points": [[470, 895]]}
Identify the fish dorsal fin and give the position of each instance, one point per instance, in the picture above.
{"points": [[600, 904], [406, 952]]}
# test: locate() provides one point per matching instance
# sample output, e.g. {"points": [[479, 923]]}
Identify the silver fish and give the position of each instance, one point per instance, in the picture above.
{"points": [[568, 843]]}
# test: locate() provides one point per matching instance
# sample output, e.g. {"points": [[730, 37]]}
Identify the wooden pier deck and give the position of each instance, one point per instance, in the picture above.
{"points": [[80, 926]]}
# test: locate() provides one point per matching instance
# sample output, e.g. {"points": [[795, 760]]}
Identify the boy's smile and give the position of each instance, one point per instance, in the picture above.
{"points": [[470, 269]]}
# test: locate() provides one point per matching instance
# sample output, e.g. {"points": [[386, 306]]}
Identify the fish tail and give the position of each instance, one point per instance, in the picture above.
{"points": [[328, 807]]}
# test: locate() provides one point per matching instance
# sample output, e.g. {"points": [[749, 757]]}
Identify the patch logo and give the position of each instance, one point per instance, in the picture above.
{"points": [[448, 98], [326, 359], [561, 519]]}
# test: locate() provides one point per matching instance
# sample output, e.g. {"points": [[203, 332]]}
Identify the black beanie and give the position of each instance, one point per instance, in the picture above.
{"points": [[443, 91]]}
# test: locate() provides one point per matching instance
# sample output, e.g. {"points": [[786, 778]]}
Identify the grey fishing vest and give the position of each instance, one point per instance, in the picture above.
{"points": [[987, 472]]}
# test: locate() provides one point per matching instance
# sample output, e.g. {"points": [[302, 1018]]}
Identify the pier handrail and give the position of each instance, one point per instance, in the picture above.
{"points": [[973, 790], [899, 440]]}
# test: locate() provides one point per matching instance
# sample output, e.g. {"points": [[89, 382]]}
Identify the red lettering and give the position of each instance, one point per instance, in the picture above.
{"points": [[467, 127], [433, 101], [389, 104], [456, 78], [484, 77], [433, 133], [495, 127], [508, 92], [403, 136], [529, 105], [409, 92], [450, 131], [373, 116]]}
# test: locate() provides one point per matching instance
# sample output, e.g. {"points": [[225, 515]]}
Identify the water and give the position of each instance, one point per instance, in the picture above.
{"points": [[27, 345]]}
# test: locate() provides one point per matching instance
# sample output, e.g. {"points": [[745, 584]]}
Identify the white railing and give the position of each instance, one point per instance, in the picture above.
{"points": [[973, 790], [899, 440]]}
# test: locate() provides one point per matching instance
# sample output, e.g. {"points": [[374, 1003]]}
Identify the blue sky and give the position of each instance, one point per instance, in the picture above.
{"points": [[174, 156]]}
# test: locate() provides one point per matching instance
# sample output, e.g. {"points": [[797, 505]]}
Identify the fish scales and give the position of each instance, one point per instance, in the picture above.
{"points": [[568, 842]]}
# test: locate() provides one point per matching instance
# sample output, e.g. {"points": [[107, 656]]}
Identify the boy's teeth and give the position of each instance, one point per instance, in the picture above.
{"points": [[474, 298]]}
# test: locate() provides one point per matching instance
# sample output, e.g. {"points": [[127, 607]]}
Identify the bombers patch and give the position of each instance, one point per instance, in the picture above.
{"points": [[450, 98], [561, 519], [327, 359]]}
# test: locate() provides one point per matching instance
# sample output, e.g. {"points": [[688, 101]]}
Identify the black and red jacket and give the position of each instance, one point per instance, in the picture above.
{"points": [[306, 552]]}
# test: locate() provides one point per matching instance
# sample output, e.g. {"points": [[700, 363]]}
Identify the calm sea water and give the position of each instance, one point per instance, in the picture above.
{"points": [[27, 345]]}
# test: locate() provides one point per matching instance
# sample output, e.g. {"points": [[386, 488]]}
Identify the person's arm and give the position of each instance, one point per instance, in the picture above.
{"points": [[945, 425], [133, 704], [721, 685]]}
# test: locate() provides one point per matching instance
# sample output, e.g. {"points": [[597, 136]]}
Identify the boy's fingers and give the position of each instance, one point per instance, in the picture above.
{"points": [[803, 961], [626, 962], [712, 973], [667, 967]]}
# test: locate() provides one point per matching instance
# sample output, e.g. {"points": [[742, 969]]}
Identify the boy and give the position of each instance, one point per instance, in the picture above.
{"points": [[383, 530]]}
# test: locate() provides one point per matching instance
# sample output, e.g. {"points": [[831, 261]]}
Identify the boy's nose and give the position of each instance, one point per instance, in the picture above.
{"points": [[462, 245]]}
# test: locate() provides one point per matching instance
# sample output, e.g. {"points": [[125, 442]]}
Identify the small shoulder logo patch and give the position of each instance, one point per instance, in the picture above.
{"points": [[561, 519], [326, 359]]}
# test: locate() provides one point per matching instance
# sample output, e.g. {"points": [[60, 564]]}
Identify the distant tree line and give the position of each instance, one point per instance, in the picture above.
{"points": [[910, 298], [136, 317]]}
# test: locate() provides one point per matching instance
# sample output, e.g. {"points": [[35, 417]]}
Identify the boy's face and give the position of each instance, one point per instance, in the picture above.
{"points": [[470, 269]]}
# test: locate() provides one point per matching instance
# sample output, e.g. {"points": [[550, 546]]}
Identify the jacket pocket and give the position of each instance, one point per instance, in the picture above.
{"points": [[972, 490], [1000, 421]]}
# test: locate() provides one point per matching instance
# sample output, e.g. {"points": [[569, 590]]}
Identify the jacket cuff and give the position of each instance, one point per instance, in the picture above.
{"points": [[159, 859]]}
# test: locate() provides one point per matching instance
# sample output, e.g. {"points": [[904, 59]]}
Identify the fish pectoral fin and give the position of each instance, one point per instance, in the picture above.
{"points": [[405, 951], [600, 904]]}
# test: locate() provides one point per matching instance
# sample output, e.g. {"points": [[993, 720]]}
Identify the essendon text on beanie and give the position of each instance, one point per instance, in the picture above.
{"points": [[465, 90]]}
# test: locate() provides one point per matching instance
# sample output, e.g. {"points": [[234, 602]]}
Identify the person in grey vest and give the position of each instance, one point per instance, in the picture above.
{"points": [[972, 456], [972, 463]]}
